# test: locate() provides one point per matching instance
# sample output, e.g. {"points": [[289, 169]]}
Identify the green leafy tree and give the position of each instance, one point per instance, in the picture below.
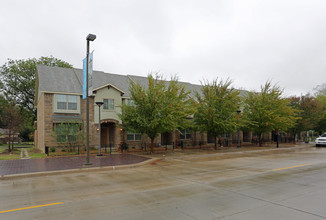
{"points": [[18, 86], [320, 97], [3, 105], [217, 106], [159, 107], [18, 79], [295, 103], [268, 111]]}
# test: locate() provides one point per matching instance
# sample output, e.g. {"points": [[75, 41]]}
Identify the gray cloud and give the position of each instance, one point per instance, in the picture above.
{"points": [[249, 41]]}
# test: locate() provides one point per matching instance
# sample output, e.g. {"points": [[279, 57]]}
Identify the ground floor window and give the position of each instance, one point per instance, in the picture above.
{"points": [[66, 132], [225, 135], [133, 136], [185, 134]]}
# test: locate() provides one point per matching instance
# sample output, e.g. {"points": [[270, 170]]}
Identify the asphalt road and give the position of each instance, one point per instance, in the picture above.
{"points": [[266, 185]]}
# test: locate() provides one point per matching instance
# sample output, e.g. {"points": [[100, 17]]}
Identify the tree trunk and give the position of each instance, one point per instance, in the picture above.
{"points": [[152, 145], [9, 149], [260, 140], [294, 142], [215, 146]]}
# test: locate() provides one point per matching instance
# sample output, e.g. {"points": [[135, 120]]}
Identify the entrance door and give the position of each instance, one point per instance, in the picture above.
{"points": [[166, 138], [104, 136], [108, 134], [210, 139], [111, 133]]}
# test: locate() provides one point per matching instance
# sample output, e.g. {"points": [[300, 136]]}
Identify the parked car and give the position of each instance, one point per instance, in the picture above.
{"points": [[321, 140]]}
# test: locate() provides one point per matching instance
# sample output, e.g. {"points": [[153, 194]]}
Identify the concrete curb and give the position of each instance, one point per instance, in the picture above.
{"points": [[78, 170], [233, 152], [150, 161]]}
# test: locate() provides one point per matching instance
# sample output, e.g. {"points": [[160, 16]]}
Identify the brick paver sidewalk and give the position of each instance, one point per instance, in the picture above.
{"points": [[22, 166]]}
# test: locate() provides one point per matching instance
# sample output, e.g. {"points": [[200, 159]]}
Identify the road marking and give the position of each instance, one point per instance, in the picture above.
{"points": [[31, 207], [285, 168]]}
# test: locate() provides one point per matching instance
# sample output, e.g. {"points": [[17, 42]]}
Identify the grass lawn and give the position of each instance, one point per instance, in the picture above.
{"points": [[9, 156], [15, 154], [36, 155], [3, 147]]}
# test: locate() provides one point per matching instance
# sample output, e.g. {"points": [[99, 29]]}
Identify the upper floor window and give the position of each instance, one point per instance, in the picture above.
{"points": [[131, 102], [108, 104], [67, 102]]}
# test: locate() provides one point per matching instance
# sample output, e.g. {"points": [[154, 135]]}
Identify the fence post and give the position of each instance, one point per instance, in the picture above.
{"points": [[47, 150]]}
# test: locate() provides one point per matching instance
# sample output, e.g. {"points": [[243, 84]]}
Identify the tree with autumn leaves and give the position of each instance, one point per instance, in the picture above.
{"points": [[160, 106], [163, 106], [216, 108], [310, 113], [268, 111]]}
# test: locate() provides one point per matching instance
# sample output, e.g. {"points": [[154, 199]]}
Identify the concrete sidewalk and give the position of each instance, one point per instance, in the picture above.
{"points": [[44, 166]]}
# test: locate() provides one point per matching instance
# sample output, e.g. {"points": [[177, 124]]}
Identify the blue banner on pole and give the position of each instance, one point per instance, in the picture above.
{"points": [[84, 78], [90, 74]]}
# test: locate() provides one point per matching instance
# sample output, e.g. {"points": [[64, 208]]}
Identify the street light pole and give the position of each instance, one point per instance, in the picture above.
{"points": [[239, 142], [90, 37], [99, 128]]}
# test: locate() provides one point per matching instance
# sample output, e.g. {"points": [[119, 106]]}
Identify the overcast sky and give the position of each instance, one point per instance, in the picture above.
{"points": [[249, 41]]}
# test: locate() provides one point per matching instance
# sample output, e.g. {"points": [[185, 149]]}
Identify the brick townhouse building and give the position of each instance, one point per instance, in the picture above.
{"points": [[58, 99]]}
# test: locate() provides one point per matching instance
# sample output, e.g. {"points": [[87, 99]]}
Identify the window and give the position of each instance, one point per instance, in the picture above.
{"points": [[225, 135], [67, 133], [131, 102], [133, 136], [67, 102], [108, 104], [185, 134]]}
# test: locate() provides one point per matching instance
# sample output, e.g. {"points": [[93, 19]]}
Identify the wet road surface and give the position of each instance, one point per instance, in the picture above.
{"points": [[257, 185]]}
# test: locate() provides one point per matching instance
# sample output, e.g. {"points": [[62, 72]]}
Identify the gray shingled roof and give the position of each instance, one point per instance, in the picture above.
{"points": [[57, 79], [193, 88], [65, 80]]}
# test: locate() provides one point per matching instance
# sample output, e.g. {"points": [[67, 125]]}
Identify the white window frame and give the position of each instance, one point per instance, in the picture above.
{"points": [[67, 98], [133, 135], [108, 109]]}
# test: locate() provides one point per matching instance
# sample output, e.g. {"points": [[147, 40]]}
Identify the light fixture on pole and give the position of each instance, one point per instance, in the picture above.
{"points": [[99, 127], [90, 37], [239, 142]]}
